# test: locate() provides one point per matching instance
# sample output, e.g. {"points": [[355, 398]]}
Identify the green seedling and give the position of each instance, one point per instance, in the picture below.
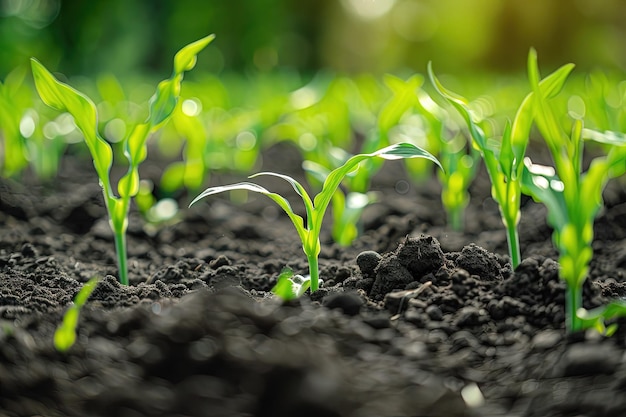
{"points": [[290, 286], [352, 197], [573, 199], [62, 97], [459, 163], [309, 231], [504, 161], [65, 334], [13, 152], [459, 170]]}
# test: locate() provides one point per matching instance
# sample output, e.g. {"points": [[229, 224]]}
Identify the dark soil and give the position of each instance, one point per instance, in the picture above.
{"points": [[412, 320]]}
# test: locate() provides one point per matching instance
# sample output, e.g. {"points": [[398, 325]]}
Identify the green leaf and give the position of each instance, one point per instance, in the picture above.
{"points": [[552, 84], [404, 150], [506, 157], [548, 88], [185, 59], [596, 318], [164, 100], [591, 186], [290, 286], [404, 97], [64, 98], [162, 105], [347, 211], [297, 220], [393, 152], [617, 161], [317, 171], [173, 177], [65, 335], [460, 103], [308, 205]]}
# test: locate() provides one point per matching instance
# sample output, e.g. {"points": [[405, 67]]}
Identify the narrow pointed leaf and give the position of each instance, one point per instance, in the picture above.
{"points": [[62, 97], [164, 100], [404, 97], [393, 152], [295, 184], [297, 220], [506, 157], [65, 334], [185, 59], [460, 103]]}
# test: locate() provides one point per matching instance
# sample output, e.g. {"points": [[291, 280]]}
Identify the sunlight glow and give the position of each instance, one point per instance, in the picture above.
{"points": [[28, 124], [192, 107], [368, 9]]}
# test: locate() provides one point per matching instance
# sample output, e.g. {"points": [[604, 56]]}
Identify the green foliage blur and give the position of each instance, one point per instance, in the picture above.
{"points": [[351, 36]]}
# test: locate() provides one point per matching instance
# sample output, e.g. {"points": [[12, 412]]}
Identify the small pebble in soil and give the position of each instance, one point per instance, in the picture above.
{"points": [[470, 316], [29, 251], [589, 359], [546, 339], [434, 312], [349, 303], [367, 261]]}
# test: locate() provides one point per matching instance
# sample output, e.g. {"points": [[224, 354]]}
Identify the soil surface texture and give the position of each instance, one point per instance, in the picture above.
{"points": [[412, 319]]}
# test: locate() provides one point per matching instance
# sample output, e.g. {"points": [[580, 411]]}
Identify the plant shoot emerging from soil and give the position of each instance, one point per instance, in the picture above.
{"points": [[309, 230], [504, 163], [573, 199], [65, 335], [62, 97]]}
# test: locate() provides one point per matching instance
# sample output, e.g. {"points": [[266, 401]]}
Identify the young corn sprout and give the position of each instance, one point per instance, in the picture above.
{"points": [[460, 161], [573, 199], [289, 285], [62, 97], [504, 163], [65, 334], [309, 230], [460, 168]]}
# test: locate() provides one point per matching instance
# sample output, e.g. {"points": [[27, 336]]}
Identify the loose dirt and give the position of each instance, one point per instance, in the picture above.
{"points": [[412, 319]]}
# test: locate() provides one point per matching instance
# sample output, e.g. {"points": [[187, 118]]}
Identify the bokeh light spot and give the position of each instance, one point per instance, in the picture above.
{"points": [[368, 9], [192, 107]]}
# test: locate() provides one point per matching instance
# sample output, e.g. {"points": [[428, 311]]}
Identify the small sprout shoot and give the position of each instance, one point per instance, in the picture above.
{"points": [[65, 335], [62, 97], [573, 199], [504, 164], [309, 230], [291, 286]]}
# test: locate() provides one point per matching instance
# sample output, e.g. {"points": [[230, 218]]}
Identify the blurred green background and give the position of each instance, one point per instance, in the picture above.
{"points": [[352, 36]]}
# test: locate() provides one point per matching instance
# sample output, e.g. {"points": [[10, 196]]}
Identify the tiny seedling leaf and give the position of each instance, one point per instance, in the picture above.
{"points": [[185, 59], [297, 220], [290, 286], [65, 335]]}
